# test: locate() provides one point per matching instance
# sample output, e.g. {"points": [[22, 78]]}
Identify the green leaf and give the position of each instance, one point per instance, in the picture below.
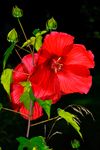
{"points": [[36, 31], [46, 105], [71, 119], [1, 106], [17, 12], [30, 41], [35, 143], [38, 42], [12, 36], [23, 143], [39, 143], [6, 79], [27, 95], [75, 144], [7, 54]]}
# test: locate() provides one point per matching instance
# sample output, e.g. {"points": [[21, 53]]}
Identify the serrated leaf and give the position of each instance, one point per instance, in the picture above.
{"points": [[1, 106], [71, 119], [7, 54], [6, 79], [27, 95], [39, 143], [46, 105], [23, 143], [38, 42], [35, 143]]}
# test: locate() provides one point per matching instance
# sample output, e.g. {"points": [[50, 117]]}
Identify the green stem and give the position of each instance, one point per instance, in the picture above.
{"points": [[7, 109], [29, 119], [38, 123], [22, 48], [24, 33]]}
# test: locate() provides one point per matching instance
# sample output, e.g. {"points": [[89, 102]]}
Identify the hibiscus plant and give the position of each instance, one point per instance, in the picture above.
{"points": [[52, 66]]}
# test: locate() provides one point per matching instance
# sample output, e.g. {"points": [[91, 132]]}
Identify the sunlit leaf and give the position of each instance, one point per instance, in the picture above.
{"points": [[6, 79], [30, 41], [71, 119], [46, 105], [75, 144], [7, 54], [38, 42], [1, 106], [35, 143]]}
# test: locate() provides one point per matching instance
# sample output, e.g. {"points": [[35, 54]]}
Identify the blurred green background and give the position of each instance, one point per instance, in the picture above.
{"points": [[82, 20]]}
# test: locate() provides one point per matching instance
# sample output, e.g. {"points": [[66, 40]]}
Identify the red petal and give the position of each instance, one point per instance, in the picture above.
{"points": [[24, 69], [79, 55], [72, 81], [57, 42], [37, 112], [16, 92], [28, 62], [45, 83], [19, 73]]}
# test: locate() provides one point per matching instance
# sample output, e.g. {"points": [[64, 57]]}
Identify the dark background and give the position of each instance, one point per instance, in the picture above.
{"points": [[82, 20]]}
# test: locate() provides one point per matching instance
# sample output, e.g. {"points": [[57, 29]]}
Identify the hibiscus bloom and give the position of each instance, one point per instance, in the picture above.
{"points": [[62, 68], [21, 74]]}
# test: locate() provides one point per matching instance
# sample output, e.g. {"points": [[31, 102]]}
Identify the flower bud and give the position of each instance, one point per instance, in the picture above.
{"points": [[51, 24], [17, 12], [12, 36]]}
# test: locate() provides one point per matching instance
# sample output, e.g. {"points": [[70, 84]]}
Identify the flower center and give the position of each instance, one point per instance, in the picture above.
{"points": [[56, 64]]}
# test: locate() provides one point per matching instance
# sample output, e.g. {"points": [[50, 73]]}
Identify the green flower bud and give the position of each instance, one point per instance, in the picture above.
{"points": [[51, 24], [17, 12], [12, 36]]}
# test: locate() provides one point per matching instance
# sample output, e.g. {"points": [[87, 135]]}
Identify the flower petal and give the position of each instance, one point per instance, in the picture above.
{"points": [[45, 83], [16, 92], [25, 68], [79, 55], [57, 43], [37, 112], [72, 80]]}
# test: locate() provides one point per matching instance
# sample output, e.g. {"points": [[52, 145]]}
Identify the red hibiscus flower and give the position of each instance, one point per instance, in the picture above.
{"points": [[63, 67], [21, 74]]}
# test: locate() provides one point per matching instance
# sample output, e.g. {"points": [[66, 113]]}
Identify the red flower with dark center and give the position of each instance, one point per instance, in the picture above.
{"points": [[21, 74], [62, 68]]}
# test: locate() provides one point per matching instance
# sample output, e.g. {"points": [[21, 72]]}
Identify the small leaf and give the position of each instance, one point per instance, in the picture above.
{"points": [[1, 106], [6, 79], [75, 144], [24, 143], [12, 36], [35, 143], [39, 143], [7, 54], [17, 12], [46, 105], [25, 97], [30, 41], [71, 119], [36, 31], [38, 42]]}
